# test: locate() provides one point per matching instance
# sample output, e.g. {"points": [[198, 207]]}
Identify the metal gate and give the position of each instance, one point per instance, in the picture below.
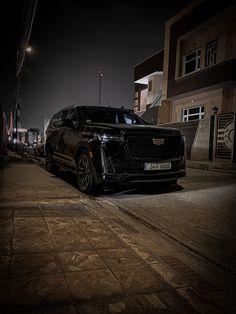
{"points": [[225, 139]]}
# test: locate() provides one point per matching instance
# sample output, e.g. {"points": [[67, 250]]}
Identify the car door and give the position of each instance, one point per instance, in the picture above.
{"points": [[71, 137], [53, 137]]}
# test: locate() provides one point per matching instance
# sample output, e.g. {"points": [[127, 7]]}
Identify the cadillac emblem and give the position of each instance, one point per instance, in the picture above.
{"points": [[158, 141]]}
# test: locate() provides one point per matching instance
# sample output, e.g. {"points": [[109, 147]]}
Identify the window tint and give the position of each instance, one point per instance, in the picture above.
{"points": [[73, 116], [55, 119], [111, 116]]}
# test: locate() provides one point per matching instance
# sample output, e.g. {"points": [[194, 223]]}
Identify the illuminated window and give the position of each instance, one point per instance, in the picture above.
{"points": [[193, 113], [191, 61], [211, 49]]}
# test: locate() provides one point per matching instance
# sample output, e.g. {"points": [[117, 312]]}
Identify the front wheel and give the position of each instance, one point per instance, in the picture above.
{"points": [[85, 177]]}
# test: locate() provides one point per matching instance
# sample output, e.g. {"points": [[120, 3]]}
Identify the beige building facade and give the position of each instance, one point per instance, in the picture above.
{"points": [[201, 75], [198, 85]]}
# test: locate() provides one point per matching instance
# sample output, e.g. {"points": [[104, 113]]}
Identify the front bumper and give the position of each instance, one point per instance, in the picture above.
{"points": [[132, 171], [126, 179]]}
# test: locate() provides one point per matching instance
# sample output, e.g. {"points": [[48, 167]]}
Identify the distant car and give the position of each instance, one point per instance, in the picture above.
{"points": [[38, 149], [105, 146]]}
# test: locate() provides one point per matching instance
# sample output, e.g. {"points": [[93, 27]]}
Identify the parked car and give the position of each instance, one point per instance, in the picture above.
{"points": [[38, 148], [104, 146]]}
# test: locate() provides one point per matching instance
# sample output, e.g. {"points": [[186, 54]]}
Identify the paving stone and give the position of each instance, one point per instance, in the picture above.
{"points": [[77, 261], [32, 244], [106, 242], [39, 290], [5, 205], [5, 244], [28, 213], [148, 303], [201, 304], [138, 279], [120, 257], [6, 226], [93, 285], [117, 305], [33, 226], [4, 292], [26, 205], [143, 253], [71, 242], [4, 266], [63, 212], [34, 264], [62, 224], [169, 275], [126, 227], [96, 229], [63, 309], [6, 213]]}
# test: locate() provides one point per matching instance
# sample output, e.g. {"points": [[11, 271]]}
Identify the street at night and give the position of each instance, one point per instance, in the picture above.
{"points": [[118, 157]]}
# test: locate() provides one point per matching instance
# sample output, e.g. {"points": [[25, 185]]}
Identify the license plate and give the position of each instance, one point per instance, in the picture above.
{"points": [[157, 165]]}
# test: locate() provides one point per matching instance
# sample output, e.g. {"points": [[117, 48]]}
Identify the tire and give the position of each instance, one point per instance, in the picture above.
{"points": [[50, 163], [85, 174]]}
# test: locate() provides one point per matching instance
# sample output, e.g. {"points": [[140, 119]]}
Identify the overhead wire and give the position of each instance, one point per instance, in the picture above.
{"points": [[28, 24]]}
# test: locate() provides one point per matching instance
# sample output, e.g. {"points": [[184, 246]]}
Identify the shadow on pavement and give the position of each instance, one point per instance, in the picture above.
{"points": [[147, 189]]}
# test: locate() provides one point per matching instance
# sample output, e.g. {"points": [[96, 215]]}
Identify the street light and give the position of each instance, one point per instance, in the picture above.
{"points": [[19, 64], [100, 75], [28, 49], [215, 110]]}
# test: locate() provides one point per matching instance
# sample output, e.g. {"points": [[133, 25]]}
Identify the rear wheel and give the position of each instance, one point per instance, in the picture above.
{"points": [[85, 177], [50, 163]]}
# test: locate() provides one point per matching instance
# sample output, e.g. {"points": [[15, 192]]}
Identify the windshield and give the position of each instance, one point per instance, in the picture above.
{"points": [[102, 115]]}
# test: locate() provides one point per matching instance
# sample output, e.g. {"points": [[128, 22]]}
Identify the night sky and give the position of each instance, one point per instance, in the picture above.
{"points": [[71, 40]]}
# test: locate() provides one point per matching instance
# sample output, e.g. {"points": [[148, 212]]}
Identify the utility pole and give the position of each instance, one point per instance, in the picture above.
{"points": [[17, 107], [24, 48], [100, 86]]}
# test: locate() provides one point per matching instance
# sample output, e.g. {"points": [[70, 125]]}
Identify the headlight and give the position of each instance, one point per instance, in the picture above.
{"points": [[108, 137]]}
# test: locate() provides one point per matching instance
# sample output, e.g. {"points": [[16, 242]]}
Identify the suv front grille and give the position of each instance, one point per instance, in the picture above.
{"points": [[142, 146]]}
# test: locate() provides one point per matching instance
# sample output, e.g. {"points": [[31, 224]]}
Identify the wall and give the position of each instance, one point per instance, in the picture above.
{"points": [[200, 147], [156, 88], [143, 100], [208, 99], [189, 131]]}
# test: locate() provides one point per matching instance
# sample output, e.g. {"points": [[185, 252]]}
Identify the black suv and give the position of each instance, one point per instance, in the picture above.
{"points": [[105, 146]]}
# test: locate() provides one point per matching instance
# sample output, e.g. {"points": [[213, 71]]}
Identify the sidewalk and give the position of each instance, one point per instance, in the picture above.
{"points": [[64, 252], [218, 166]]}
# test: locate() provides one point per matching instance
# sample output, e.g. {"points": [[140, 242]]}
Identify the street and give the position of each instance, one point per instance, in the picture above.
{"points": [[140, 250], [199, 213]]}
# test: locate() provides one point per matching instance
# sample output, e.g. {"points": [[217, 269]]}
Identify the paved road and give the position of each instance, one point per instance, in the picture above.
{"points": [[199, 212]]}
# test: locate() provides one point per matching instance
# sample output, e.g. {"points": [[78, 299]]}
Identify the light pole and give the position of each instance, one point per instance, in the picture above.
{"points": [[100, 75], [19, 64]]}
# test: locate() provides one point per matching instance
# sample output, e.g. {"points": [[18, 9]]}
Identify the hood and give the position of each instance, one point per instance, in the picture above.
{"points": [[132, 128]]}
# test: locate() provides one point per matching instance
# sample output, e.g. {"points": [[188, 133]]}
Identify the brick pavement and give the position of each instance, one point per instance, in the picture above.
{"points": [[64, 252]]}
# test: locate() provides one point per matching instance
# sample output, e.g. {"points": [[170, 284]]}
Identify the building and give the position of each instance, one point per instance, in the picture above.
{"points": [[148, 87], [3, 135], [199, 78]]}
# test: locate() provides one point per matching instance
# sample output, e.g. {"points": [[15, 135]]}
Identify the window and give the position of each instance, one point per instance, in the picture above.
{"points": [[55, 119], [191, 61], [193, 113], [211, 49], [110, 116], [73, 116]]}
